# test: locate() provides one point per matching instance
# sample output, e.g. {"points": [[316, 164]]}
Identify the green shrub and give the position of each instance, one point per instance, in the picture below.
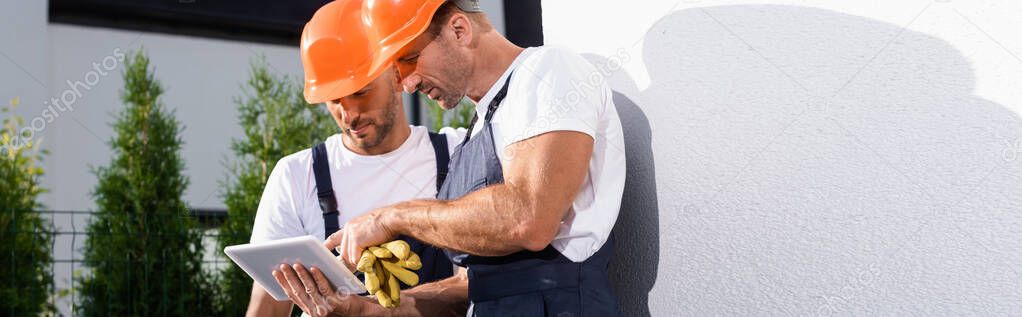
{"points": [[143, 252], [276, 121], [459, 117], [25, 279]]}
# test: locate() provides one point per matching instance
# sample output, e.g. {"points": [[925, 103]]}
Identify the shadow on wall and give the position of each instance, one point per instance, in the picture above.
{"points": [[812, 162], [637, 231]]}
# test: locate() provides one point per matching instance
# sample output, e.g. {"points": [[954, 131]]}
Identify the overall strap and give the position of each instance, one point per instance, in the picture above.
{"points": [[443, 158], [325, 190], [494, 103]]}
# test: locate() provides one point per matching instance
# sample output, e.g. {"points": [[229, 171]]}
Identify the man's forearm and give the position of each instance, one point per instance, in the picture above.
{"points": [[448, 297], [492, 221], [261, 304], [522, 213]]}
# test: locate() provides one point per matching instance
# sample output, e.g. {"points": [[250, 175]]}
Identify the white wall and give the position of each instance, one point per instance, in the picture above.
{"points": [[813, 157], [494, 10], [200, 77], [23, 54]]}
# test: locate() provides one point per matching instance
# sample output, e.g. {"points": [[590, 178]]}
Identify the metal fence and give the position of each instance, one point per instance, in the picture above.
{"points": [[69, 232]]}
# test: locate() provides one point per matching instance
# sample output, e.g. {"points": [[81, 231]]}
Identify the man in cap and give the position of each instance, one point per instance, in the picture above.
{"points": [[376, 160], [534, 189]]}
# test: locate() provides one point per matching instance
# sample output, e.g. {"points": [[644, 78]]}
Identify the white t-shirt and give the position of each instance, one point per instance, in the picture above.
{"points": [[290, 208], [555, 89]]}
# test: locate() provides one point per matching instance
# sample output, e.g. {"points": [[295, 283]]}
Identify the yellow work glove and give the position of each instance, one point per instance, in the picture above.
{"points": [[386, 264]]}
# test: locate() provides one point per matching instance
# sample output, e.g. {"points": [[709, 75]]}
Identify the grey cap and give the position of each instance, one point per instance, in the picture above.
{"points": [[468, 5]]}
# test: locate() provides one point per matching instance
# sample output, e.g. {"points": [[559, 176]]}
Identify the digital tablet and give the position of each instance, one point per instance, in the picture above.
{"points": [[260, 259]]}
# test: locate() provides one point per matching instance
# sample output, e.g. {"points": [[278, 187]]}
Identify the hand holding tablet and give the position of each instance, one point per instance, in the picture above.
{"points": [[259, 260]]}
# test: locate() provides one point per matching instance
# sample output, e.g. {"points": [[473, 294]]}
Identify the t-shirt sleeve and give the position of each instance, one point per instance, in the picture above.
{"points": [[554, 91], [277, 217]]}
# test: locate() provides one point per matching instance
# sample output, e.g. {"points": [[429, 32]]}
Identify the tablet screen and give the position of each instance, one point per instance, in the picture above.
{"points": [[260, 259]]}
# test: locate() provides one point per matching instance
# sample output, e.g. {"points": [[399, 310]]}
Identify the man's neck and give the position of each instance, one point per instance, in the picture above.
{"points": [[493, 57]]}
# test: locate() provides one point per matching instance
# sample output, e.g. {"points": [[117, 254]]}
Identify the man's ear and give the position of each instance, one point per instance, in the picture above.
{"points": [[395, 78], [461, 24]]}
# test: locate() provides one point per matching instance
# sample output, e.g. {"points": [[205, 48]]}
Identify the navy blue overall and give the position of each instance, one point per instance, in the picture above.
{"points": [[435, 265], [525, 283]]}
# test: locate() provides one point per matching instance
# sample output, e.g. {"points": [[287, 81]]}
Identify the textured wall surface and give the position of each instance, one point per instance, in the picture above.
{"points": [[813, 157]]}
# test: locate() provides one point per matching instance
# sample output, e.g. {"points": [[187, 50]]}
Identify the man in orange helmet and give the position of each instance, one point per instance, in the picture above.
{"points": [[535, 187], [376, 160]]}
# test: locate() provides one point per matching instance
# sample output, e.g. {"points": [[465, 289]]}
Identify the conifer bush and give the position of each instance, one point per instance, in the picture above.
{"points": [[143, 253]]}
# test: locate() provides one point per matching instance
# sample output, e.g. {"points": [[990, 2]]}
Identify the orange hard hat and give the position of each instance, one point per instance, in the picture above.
{"points": [[337, 55], [348, 43], [392, 24]]}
